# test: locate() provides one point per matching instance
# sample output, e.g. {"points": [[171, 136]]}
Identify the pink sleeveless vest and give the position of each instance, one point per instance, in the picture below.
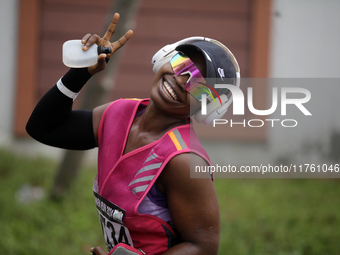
{"points": [[124, 180]]}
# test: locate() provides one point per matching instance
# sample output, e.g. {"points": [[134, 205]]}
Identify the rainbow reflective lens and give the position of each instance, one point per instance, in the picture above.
{"points": [[181, 65]]}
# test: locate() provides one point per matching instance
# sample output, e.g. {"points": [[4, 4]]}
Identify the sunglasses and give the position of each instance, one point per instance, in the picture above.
{"points": [[196, 84]]}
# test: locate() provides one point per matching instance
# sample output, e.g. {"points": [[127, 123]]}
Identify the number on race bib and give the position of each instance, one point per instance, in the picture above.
{"points": [[111, 220]]}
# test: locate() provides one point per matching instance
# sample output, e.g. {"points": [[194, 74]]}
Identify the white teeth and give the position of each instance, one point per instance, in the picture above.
{"points": [[169, 90]]}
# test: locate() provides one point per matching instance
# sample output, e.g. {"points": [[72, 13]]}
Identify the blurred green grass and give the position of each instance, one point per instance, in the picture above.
{"points": [[258, 216]]}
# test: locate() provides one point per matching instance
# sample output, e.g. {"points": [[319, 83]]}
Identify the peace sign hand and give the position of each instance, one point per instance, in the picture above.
{"points": [[89, 39]]}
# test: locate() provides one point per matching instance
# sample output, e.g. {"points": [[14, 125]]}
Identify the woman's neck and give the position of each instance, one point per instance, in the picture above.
{"points": [[152, 120]]}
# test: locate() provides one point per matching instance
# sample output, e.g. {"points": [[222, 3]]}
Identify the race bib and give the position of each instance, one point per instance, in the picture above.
{"points": [[111, 218]]}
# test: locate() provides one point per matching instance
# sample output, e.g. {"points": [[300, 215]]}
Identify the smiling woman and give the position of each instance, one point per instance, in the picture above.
{"points": [[146, 201]]}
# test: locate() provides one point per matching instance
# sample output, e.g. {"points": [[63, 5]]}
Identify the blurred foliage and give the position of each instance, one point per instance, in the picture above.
{"points": [[279, 216], [67, 226], [262, 216]]}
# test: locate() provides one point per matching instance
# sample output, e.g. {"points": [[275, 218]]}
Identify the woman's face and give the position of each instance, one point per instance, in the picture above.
{"points": [[169, 94]]}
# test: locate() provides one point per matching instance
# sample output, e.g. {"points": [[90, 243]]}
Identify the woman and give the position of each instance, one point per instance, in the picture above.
{"points": [[143, 191]]}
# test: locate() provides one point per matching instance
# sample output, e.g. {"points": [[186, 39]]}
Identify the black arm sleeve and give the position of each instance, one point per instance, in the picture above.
{"points": [[54, 123]]}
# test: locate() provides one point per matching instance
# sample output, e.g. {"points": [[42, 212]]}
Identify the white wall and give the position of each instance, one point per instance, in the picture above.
{"points": [[305, 39], [305, 44], [8, 45]]}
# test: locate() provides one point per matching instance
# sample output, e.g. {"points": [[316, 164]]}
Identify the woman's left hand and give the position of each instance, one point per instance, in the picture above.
{"points": [[98, 251]]}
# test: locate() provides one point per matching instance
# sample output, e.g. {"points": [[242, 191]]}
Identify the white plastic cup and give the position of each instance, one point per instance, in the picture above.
{"points": [[74, 56]]}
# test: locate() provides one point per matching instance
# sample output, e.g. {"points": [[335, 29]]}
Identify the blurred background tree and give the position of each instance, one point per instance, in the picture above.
{"points": [[97, 90]]}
